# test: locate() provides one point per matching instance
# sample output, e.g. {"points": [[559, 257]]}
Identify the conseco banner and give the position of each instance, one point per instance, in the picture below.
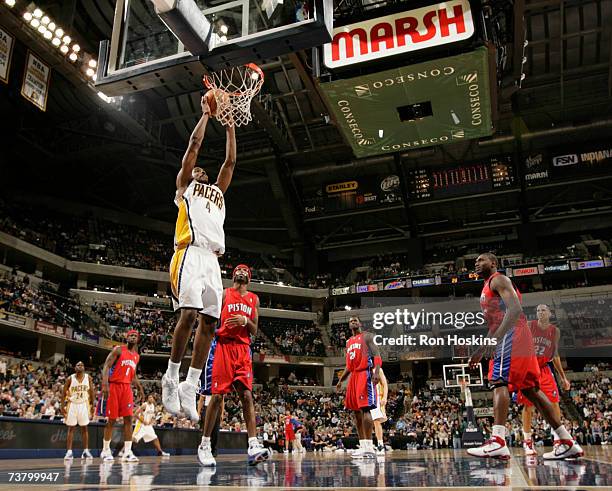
{"points": [[395, 34], [449, 101]]}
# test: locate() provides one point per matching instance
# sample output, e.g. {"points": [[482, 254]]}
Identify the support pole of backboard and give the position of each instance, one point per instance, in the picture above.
{"points": [[187, 22], [472, 436]]}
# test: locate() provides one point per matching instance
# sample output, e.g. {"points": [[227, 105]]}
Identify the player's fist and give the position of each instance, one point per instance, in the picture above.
{"points": [[237, 320], [339, 387], [475, 358], [205, 107], [566, 384]]}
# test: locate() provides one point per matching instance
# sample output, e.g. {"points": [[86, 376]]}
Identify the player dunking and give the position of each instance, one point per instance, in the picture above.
{"points": [[229, 364], [546, 342], [514, 366], [77, 407], [195, 275], [118, 374], [363, 363]]}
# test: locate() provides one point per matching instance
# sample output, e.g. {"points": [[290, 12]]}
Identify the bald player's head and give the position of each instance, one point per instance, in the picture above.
{"points": [[486, 264]]}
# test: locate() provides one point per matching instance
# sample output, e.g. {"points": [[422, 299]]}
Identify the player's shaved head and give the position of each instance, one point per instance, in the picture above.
{"points": [[491, 257], [485, 264]]}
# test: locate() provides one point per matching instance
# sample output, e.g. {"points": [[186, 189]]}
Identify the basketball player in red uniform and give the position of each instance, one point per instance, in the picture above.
{"points": [[546, 342], [513, 365], [117, 400], [229, 364], [363, 364]]}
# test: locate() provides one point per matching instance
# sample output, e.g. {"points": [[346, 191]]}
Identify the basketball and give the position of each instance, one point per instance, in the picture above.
{"points": [[399, 242]]}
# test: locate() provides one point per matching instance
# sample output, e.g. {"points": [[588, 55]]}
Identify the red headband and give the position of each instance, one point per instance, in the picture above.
{"points": [[242, 266], [132, 331]]}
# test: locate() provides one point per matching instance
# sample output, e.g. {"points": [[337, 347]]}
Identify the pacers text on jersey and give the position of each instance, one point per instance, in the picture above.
{"points": [[210, 193]]}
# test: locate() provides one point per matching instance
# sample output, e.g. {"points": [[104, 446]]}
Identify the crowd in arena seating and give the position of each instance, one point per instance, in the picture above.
{"points": [[294, 337]]}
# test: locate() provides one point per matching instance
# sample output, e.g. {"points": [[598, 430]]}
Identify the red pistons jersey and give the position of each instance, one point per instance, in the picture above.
{"points": [[357, 354], [124, 369], [236, 304], [544, 341], [493, 306]]}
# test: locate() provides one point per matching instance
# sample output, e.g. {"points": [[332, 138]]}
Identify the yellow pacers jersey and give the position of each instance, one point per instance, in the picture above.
{"points": [[78, 392], [200, 218]]}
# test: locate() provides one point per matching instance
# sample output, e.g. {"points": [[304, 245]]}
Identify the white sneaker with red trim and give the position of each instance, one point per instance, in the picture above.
{"points": [[566, 449], [529, 448], [494, 448]]}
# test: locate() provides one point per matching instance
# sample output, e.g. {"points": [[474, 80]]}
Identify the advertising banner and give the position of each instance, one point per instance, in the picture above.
{"points": [[49, 328], [13, 319], [85, 337], [414, 30]]}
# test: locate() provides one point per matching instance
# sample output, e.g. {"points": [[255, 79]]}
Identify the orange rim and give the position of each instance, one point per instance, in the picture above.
{"points": [[210, 84]]}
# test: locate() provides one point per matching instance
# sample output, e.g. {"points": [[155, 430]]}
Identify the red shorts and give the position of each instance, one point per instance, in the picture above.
{"points": [[120, 400], [289, 433], [360, 391], [228, 362], [548, 385], [514, 362]]}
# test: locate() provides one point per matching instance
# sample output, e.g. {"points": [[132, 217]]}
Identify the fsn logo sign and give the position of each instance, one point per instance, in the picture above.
{"points": [[426, 27], [564, 160]]}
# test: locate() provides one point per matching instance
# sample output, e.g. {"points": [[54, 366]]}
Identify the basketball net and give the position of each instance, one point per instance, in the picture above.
{"points": [[234, 89]]}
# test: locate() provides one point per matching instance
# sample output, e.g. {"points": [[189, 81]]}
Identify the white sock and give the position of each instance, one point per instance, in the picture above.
{"points": [[555, 436], [527, 435], [562, 433], [205, 439], [253, 441], [362, 445], [173, 370], [500, 431], [106, 445], [369, 445], [193, 376], [127, 447]]}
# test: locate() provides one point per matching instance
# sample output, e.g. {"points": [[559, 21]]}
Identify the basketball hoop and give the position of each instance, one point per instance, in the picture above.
{"points": [[234, 88]]}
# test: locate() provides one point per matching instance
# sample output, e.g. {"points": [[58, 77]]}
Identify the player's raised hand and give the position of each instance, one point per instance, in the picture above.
{"points": [[339, 387], [205, 107], [565, 383]]}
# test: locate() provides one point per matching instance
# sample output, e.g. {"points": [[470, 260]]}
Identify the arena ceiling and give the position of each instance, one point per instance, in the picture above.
{"points": [[127, 160]]}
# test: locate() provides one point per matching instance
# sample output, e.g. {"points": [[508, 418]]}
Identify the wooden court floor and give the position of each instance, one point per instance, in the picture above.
{"points": [[435, 469]]}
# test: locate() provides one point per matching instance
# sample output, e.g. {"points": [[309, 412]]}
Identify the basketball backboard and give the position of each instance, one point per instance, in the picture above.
{"points": [[455, 374], [160, 40]]}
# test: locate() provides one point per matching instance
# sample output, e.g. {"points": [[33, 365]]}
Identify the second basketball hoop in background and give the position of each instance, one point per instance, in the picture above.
{"points": [[233, 90]]}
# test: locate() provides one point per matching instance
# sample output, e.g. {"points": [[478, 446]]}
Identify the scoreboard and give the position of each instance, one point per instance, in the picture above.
{"points": [[464, 180]]}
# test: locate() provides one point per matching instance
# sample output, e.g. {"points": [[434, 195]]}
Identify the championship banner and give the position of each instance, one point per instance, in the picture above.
{"points": [[49, 328], [36, 78], [6, 51]]}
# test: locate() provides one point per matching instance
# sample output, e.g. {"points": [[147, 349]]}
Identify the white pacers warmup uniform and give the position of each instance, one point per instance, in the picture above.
{"points": [[378, 413], [195, 275], [78, 401], [144, 431]]}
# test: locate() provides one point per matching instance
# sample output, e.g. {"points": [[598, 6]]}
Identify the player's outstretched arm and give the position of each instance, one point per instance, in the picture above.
{"points": [[108, 363], [193, 149], [227, 169]]}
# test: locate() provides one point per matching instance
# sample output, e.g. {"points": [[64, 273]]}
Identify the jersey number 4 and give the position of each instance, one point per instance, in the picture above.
{"points": [[208, 206]]}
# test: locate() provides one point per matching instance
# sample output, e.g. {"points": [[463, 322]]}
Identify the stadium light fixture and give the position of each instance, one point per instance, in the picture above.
{"points": [[35, 23], [66, 39], [10, 3], [93, 63], [27, 16], [56, 42], [73, 57], [64, 49], [59, 32], [38, 13], [42, 29], [90, 72], [51, 26], [48, 34], [45, 20], [76, 48]]}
